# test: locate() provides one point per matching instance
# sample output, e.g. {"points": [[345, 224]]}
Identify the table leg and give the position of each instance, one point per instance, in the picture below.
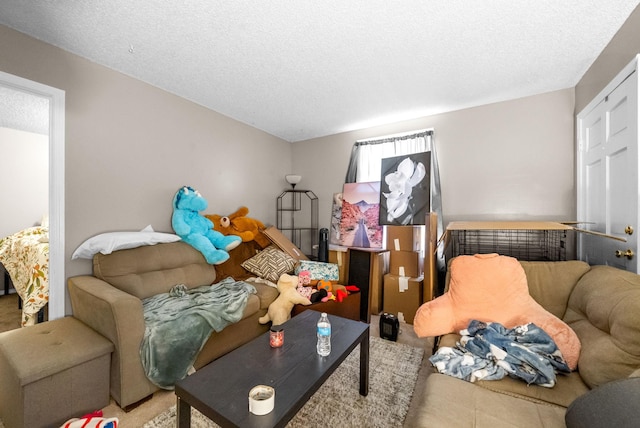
{"points": [[183, 414], [364, 366]]}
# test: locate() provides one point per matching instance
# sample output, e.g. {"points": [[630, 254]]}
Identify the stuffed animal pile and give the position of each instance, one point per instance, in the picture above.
{"points": [[197, 230], [237, 223], [280, 309]]}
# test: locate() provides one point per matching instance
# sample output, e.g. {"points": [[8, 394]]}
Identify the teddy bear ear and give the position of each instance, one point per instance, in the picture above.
{"points": [[242, 211]]}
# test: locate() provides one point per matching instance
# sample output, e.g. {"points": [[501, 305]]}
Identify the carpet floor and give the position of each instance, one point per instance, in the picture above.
{"points": [[393, 371], [163, 399]]}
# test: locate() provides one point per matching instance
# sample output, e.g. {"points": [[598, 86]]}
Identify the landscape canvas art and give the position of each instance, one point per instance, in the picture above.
{"points": [[359, 226], [405, 196]]}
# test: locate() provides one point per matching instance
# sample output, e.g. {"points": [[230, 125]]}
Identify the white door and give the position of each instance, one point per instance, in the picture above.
{"points": [[608, 176]]}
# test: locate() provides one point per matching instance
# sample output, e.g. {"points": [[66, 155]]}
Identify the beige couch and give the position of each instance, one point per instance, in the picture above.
{"points": [[110, 303], [602, 305]]}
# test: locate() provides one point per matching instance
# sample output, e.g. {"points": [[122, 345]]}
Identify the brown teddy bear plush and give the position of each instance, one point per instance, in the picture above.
{"points": [[280, 309], [238, 224]]}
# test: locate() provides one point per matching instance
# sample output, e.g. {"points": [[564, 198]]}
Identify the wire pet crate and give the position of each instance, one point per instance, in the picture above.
{"points": [[527, 241]]}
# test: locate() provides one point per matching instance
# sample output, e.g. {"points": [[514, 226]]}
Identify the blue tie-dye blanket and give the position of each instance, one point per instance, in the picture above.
{"points": [[490, 351]]}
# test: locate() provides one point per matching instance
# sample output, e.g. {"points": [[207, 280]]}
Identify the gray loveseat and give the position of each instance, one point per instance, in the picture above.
{"points": [[602, 305], [110, 303]]}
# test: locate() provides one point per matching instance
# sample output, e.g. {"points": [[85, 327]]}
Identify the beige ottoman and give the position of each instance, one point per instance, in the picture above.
{"points": [[51, 372]]}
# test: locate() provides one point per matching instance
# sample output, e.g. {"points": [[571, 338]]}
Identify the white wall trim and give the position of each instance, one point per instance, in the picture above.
{"points": [[57, 295]]}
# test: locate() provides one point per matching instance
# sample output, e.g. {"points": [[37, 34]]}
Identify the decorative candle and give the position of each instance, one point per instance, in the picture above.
{"points": [[276, 337]]}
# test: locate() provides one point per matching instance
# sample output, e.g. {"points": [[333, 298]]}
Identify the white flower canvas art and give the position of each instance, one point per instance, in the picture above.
{"points": [[405, 189], [336, 216]]}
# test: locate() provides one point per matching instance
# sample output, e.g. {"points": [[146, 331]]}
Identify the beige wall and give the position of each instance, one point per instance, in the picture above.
{"points": [[509, 160], [130, 146], [624, 46], [24, 180]]}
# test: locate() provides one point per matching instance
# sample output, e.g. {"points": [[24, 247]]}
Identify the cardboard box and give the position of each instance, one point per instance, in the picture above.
{"points": [[379, 267], [406, 263], [340, 256], [402, 296], [284, 243], [507, 225], [367, 268], [404, 238], [430, 290]]}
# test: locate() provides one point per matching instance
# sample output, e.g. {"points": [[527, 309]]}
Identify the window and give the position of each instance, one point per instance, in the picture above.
{"points": [[365, 164]]}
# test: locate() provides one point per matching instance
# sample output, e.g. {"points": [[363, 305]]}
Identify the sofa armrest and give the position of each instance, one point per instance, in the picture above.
{"points": [[118, 316]]}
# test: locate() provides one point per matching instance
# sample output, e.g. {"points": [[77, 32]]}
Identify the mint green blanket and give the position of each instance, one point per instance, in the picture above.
{"points": [[178, 323]]}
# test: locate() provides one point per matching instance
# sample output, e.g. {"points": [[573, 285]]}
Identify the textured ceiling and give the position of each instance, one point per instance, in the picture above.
{"points": [[23, 111], [303, 69]]}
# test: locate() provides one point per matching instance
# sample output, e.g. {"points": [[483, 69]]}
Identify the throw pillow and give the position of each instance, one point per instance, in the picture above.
{"points": [[270, 263], [106, 243], [492, 288]]}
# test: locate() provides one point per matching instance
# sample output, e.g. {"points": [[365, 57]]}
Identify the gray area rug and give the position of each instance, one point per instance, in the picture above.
{"points": [[393, 371]]}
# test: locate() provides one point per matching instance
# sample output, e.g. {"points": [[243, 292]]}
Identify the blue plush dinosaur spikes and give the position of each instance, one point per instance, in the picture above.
{"points": [[197, 230]]}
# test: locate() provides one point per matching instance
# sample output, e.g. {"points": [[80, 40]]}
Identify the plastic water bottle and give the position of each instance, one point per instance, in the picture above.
{"points": [[324, 335]]}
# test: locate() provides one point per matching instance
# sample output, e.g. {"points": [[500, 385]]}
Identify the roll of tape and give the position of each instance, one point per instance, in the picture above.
{"points": [[261, 399]]}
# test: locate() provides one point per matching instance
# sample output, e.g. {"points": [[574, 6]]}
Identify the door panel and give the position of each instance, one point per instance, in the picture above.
{"points": [[608, 178]]}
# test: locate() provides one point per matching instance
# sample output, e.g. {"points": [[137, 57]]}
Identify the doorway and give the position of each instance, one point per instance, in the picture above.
{"points": [[607, 160], [56, 134]]}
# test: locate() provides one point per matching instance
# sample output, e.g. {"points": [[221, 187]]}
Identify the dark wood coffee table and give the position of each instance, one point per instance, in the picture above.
{"points": [[220, 390]]}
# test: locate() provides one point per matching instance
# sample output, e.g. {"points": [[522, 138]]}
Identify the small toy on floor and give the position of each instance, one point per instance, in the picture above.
{"points": [[91, 420]]}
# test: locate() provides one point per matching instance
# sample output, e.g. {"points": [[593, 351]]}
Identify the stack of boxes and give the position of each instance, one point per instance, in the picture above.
{"points": [[397, 279], [403, 284], [412, 279]]}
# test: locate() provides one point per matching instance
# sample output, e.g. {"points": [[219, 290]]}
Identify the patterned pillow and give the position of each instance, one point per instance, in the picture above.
{"points": [[270, 263]]}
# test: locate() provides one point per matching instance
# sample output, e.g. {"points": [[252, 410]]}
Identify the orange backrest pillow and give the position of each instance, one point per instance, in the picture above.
{"points": [[492, 288]]}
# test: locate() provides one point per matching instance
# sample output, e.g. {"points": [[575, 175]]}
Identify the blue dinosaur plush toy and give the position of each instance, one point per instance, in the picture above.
{"points": [[197, 230]]}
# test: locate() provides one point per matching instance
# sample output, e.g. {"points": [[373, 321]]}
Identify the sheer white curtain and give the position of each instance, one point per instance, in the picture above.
{"points": [[366, 164]]}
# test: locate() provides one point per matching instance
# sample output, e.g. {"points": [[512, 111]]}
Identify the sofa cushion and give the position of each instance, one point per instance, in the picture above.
{"points": [[492, 288], [150, 270], [451, 402], [567, 388], [551, 283], [265, 293], [604, 310]]}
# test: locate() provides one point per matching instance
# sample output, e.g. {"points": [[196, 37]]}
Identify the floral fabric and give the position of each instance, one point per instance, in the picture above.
{"points": [[319, 270], [25, 256]]}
